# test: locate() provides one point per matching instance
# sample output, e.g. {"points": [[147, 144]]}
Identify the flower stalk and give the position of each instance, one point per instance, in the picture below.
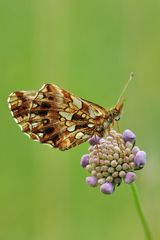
{"points": [[140, 212], [112, 160]]}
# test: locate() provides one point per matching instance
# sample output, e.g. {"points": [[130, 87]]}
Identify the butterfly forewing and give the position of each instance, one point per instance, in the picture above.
{"points": [[55, 116]]}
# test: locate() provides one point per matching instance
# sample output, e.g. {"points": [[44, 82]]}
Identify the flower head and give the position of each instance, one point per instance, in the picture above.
{"points": [[112, 159], [84, 160], [94, 140], [130, 177], [92, 181], [107, 188], [140, 159], [128, 135]]}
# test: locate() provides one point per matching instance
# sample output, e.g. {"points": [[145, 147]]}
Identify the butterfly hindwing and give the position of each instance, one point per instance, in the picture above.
{"points": [[20, 104]]}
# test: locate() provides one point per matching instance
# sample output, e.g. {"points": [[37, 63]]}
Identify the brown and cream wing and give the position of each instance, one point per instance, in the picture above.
{"points": [[55, 116]]}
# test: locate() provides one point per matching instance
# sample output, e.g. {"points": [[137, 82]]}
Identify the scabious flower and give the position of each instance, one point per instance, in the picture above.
{"points": [[112, 159]]}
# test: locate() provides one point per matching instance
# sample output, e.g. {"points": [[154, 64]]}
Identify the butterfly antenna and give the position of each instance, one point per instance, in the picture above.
{"points": [[125, 88]]}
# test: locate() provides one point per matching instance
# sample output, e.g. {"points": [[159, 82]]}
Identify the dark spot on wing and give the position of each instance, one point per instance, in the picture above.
{"points": [[83, 125], [48, 130], [41, 112], [45, 105], [50, 98], [55, 138], [77, 117]]}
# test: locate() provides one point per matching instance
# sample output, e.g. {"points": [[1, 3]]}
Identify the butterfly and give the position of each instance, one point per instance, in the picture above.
{"points": [[56, 117]]}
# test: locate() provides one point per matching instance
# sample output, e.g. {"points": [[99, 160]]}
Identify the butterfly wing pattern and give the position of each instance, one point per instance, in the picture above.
{"points": [[56, 117]]}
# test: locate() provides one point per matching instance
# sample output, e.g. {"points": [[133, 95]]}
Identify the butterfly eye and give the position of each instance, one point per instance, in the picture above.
{"points": [[117, 118]]}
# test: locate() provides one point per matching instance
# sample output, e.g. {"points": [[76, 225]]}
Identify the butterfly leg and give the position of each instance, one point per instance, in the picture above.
{"points": [[118, 128]]}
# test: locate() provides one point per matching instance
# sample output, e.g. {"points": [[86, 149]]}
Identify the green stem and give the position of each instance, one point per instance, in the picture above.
{"points": [[140, 212]]}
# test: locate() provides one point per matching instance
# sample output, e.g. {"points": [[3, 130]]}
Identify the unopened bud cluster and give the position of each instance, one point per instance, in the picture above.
{"points": [[112, 159]]}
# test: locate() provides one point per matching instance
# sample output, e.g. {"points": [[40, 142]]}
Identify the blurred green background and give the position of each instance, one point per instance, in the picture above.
{"points": [[89, 48]]}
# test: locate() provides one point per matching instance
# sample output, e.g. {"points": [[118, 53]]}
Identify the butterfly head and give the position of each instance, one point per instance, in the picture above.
{"points": [[114, 114], [117, 111]]}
